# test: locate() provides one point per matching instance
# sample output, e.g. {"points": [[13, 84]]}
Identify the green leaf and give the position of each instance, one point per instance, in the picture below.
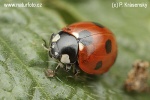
{"points": [[23, 60]]}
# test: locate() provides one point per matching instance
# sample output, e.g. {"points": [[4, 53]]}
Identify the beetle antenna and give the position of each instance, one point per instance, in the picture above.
{"points": [[45, 46]]}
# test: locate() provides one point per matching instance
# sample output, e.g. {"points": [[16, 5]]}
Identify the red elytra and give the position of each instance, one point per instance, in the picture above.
{"points": [[98, 49]]}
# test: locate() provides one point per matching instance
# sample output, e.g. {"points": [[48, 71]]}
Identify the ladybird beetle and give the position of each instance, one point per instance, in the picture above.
{"points": [[88, 46]]}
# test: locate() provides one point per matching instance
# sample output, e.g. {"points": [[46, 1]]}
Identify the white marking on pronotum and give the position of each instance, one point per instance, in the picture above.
{"points": [[56, 38], [75, 34], [56, 53], [81, 46], [65, 58]]}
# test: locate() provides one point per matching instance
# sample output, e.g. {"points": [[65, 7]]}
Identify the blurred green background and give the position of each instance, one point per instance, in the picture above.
{"points": [[23, 60]]}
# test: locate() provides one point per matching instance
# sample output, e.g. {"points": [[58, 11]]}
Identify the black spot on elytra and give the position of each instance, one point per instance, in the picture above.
{"points": [[99, 25], [98, 65], [108, 46], [85, 37]]}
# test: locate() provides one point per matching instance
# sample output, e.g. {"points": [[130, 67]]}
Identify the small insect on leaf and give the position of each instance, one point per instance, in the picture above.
{"points": [[137, 79]]}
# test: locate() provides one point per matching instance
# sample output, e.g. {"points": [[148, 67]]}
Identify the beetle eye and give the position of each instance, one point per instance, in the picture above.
{"points": [[54, 51]]}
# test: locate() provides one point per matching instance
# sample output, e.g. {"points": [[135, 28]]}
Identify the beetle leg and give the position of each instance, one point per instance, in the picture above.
{"points": [[76, 69], [51, 73], [58, 66], [68, 67]]}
